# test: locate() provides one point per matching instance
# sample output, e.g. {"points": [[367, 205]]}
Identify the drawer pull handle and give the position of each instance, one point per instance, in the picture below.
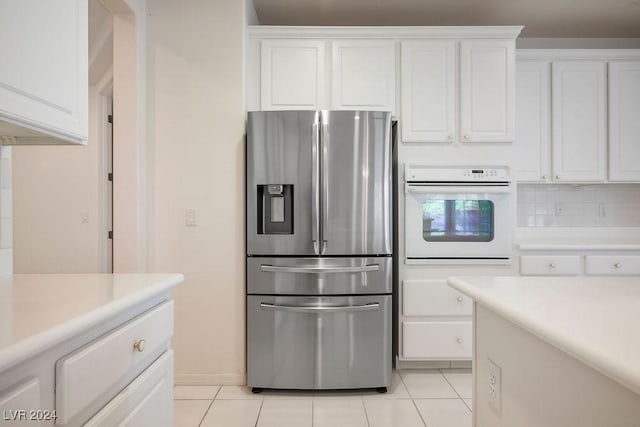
{"points": [[460, 299], [552, 264], [459, 340], [139, 346], [617, 265]]}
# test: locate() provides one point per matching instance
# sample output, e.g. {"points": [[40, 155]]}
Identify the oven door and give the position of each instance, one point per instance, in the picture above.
{"points": [[458, 223]]}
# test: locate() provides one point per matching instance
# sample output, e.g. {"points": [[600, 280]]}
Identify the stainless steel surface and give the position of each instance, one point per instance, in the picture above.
{"points": [[315, 187], [319, 270], [318, 349], [320, 308], [319, 276], [356, 174], [279, 151]]}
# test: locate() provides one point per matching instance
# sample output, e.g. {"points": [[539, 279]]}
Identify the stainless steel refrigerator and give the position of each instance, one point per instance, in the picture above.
{"points": [[319, 249]]}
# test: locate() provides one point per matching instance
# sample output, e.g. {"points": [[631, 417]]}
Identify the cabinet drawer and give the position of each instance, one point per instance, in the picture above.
{"points": [[147, 401], [550, 265], [627, 265], [437, 340], [433, 298], [89, 372]]}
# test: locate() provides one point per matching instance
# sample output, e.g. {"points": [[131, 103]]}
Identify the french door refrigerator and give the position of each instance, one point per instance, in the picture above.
{"points": [[319, 250]]}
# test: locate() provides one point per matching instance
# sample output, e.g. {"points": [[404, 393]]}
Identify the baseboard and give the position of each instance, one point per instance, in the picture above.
{"points": [[208, 379]]}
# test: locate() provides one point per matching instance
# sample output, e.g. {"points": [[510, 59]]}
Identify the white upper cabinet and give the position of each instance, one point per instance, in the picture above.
{"points": [[428, 91], [533, 112], [292, 75], [487, 87], [579, 120], [43, 75], [363, 75], [624, 121]]}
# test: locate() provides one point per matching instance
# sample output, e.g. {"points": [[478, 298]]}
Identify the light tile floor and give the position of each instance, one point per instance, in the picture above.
{"points": [[432, 398]]}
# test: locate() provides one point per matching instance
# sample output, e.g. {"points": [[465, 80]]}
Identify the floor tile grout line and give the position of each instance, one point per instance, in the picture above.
{"points": [[412, 400], [259, 412], [205, 413], [364, 408], [454, 389]]}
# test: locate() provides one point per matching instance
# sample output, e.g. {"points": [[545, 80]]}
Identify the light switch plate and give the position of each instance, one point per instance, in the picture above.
{"points": [[494, 386]]}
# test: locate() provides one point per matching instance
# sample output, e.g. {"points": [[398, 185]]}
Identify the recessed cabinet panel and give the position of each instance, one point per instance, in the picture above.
{"points": [[487, 90], [437, 340], [17, 402], [533, 113], [624, 121], [579, 120], [292, 75], [363, 76], [433, 298], [428, 91], [43, 79]]}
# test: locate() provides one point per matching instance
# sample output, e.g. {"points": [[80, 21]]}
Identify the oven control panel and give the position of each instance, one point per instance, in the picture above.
{"points": [[431, 173]]}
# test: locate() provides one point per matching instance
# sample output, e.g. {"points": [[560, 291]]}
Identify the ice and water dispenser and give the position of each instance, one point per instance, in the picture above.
{"points": [[275, 209]]}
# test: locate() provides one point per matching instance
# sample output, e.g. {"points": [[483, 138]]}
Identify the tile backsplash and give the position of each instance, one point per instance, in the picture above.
{"points": [[603, 205]]}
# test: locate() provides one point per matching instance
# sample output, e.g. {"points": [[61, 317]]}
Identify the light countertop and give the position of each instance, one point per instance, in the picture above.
{"points": [[38, 311], [594, 319]]}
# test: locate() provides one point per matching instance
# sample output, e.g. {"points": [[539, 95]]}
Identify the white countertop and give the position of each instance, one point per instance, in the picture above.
{"points": [[38, 311], [594, 319]]}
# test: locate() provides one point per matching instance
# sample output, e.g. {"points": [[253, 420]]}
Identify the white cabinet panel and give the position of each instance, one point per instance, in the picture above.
{"points": [[78, 382], [43, 77], [624, 121], [487, 88], [363, 76], [613, 265], [433, 298], [579, 120], [437, 340], [292, 75], [551, 265], [147, 401], [533, 113], [17, 402], [428, 91]]}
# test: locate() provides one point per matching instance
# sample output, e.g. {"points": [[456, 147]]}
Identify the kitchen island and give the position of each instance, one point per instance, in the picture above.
{"points": [[552, 351], [86, 348]]}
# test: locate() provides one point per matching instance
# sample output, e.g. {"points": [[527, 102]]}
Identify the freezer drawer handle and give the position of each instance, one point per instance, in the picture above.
{"points": [[320, 309], [319, 270]]}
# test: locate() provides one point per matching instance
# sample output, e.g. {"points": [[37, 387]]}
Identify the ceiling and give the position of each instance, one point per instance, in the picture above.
{"points": [[541, 18]]}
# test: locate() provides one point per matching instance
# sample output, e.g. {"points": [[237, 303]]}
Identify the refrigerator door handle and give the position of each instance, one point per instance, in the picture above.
{"points": [[319, 270], [325, 184], [315, 191], [320, 309]]}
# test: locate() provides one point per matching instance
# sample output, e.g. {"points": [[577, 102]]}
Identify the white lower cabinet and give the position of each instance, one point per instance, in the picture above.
{"points": [[581, 263], [435, 321], [147, 401], [18, 401]]}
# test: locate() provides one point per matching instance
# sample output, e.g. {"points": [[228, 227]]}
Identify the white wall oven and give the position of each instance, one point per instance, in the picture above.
{"points": [[458, 215]]}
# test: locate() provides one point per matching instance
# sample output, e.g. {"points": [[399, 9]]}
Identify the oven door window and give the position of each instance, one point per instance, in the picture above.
{"points": [[457, 220]]}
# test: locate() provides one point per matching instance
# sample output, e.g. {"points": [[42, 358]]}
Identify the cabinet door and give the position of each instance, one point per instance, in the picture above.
{"points": [[292, 75], [487, 85], [428, 91], [578, 120], [43, 79], [17, 402], [363, 75], [533, 112], [624, 121]]}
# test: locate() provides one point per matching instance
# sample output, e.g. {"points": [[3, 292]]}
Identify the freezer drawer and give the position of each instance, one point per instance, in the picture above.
{"points": [[318, 342], [319, 276]]}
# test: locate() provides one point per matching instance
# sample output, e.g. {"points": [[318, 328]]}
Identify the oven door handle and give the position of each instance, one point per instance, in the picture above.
{"points": [[427, 189], [319, 270], [320, 309]]}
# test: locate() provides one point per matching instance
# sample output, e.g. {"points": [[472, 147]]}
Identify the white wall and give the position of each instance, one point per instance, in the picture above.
{"points": [[196, 131]]}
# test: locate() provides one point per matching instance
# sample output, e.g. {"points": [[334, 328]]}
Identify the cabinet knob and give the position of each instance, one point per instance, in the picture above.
{"points": [[544, 177], [459, 340], [617, 265], [557, 176], [460, 299], [450, 137], [139, 346], [466, 137], [552, 264]]}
